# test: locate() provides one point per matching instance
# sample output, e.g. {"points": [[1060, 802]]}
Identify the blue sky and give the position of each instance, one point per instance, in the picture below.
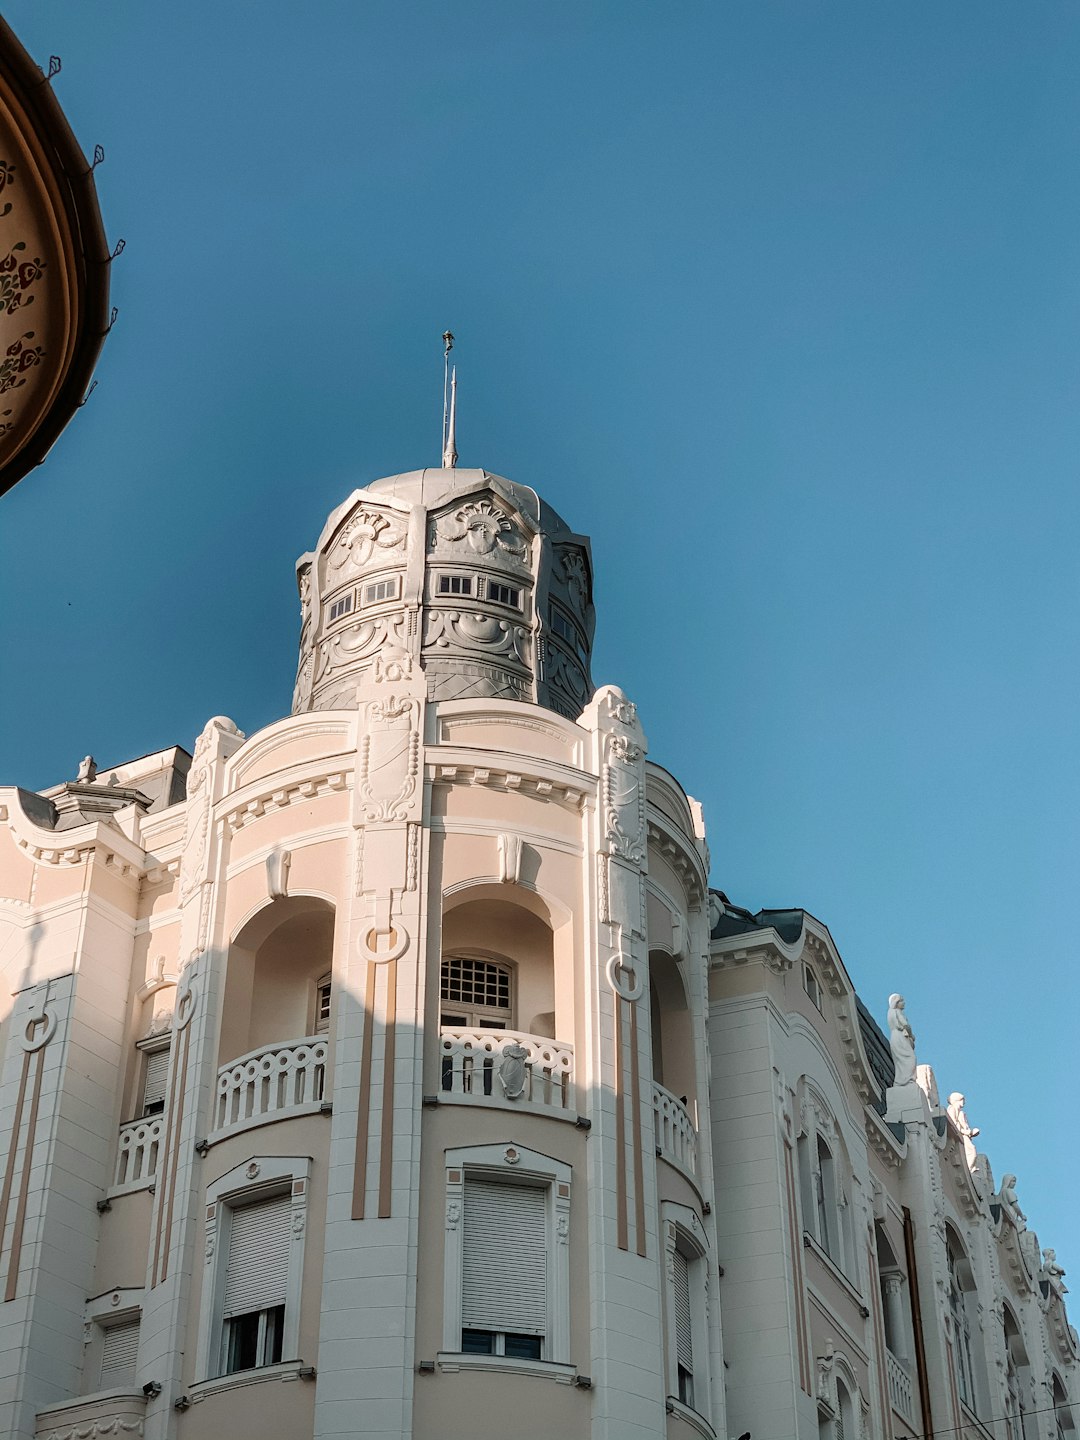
{"points": [[779, 302]]}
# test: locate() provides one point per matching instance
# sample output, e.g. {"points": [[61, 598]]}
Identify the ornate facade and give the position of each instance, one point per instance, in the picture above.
{"points": [[393, 1072]]}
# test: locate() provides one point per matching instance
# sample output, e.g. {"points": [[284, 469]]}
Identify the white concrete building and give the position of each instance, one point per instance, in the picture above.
{"points": [[393, 1072]]}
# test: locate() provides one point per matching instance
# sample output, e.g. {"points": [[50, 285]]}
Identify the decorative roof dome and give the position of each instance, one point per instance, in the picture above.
{"points": [[467, 573]]}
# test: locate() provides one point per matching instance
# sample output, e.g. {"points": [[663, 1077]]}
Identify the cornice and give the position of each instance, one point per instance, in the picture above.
{"points": [[264, 796], [679, 852], [72, 847], [557, 783], [758, 947], [882, 1141]]}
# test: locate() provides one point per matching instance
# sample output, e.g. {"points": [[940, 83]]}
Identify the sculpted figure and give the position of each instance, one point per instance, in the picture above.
{"points": [[87, 771], [1050, 1264], [1008, 1196], [901, 1041], [959, 1119]]}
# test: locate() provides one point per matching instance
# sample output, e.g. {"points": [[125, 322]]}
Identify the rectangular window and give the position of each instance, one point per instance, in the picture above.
{"points": [[455, 585], [322, 1006], [811, 985], [380, 590], [684, 1344], [503, 594], [155, 1077], [562, 626], [255, 1284], [340, 607], [504, 1300], [119, 1352]]}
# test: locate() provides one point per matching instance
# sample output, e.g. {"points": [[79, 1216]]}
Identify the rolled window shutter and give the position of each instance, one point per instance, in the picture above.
{"points": [[157, 1073], [118, 1355], [683, 1331], [258, 1268], [504, 1258]]}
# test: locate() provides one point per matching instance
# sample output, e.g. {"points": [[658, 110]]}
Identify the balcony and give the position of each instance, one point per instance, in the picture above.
{"points": [[500, 1067], [900, 1390], [137, 1154], [676, 1133], [112, 1412], [273, 1083]]}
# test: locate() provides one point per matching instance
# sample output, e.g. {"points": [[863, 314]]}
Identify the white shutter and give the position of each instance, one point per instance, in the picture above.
{"points": [[118, 1355], [684, 1345], [504, 1258], [258, 1268], [157, 1073]]}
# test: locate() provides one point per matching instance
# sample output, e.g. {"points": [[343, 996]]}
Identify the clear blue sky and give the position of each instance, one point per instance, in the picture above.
{"points": [[779, 302]]}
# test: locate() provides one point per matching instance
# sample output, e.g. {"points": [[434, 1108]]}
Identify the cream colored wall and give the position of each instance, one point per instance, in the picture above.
{"points": [[123, 1243]]}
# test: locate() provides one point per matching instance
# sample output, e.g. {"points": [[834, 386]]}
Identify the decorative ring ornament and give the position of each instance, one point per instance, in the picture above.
{"points": [[617, 972], [30, 1041], [186, 1003], [397, 936]]}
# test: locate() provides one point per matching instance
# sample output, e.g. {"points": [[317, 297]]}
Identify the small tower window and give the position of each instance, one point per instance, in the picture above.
{"points": [[455, 585], [812, 985], [340, 607], [504, 594], [380, 590]]}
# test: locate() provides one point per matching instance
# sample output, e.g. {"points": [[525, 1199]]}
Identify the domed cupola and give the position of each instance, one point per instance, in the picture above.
{"points": [[465, 572]]}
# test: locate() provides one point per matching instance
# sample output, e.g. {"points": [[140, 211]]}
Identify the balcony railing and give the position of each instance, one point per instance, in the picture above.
{"points": [[500, 1067], [900, 1393], [271, 1084], [137, 1153], [676, 1134]]}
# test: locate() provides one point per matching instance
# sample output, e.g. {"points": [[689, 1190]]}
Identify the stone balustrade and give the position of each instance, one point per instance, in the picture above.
{"points": [[900, 1390], [137, 1153], [501, 1067], [272, 1083], [676, 1133]]}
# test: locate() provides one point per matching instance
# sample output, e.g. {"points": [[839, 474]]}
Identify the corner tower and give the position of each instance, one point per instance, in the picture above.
{"points": [[467, 573]]}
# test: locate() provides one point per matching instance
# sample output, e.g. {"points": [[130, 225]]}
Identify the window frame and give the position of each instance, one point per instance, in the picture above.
{"points": [[393, 591], [115, 1307], [445, 582], [259, 1178], [318, 1025], [339, 608], [510, 1164], [480, 1017], [151, 1046], [683, 1232]]}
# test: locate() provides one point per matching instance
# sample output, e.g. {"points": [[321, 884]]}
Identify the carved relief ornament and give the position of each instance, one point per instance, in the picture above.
{"points": [[483, 527], [364, 534], [389, 759]]}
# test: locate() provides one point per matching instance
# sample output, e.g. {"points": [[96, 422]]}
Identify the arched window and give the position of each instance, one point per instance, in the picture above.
{"points": [[961, 1305], [845, 1414], [1017, 1378], [824, 1178], [1064, 1427]]}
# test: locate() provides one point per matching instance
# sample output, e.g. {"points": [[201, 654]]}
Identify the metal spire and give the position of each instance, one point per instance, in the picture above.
{"points": [[449, 422]]}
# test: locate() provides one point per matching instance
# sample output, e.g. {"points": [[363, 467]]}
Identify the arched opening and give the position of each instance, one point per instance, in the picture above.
{"points": [[672, 1030], [894, 1303], [1065, 1428], [963, 1309], [845, 1413], [277, 978], [505, 1002], [1017, 1378]]}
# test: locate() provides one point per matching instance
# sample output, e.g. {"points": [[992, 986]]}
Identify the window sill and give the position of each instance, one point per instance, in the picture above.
{"points": [[202, 1389], [447, 1362], [831, 1266], [691, 1416]]}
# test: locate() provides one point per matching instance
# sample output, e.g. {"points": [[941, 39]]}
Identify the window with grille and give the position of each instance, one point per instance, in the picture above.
{"points": [[119, 1352], [504, 1299], [455, 585], [155, 1078], [504, 594], [256, 1279], [380, 590], [340, 607], [475, 992]]}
